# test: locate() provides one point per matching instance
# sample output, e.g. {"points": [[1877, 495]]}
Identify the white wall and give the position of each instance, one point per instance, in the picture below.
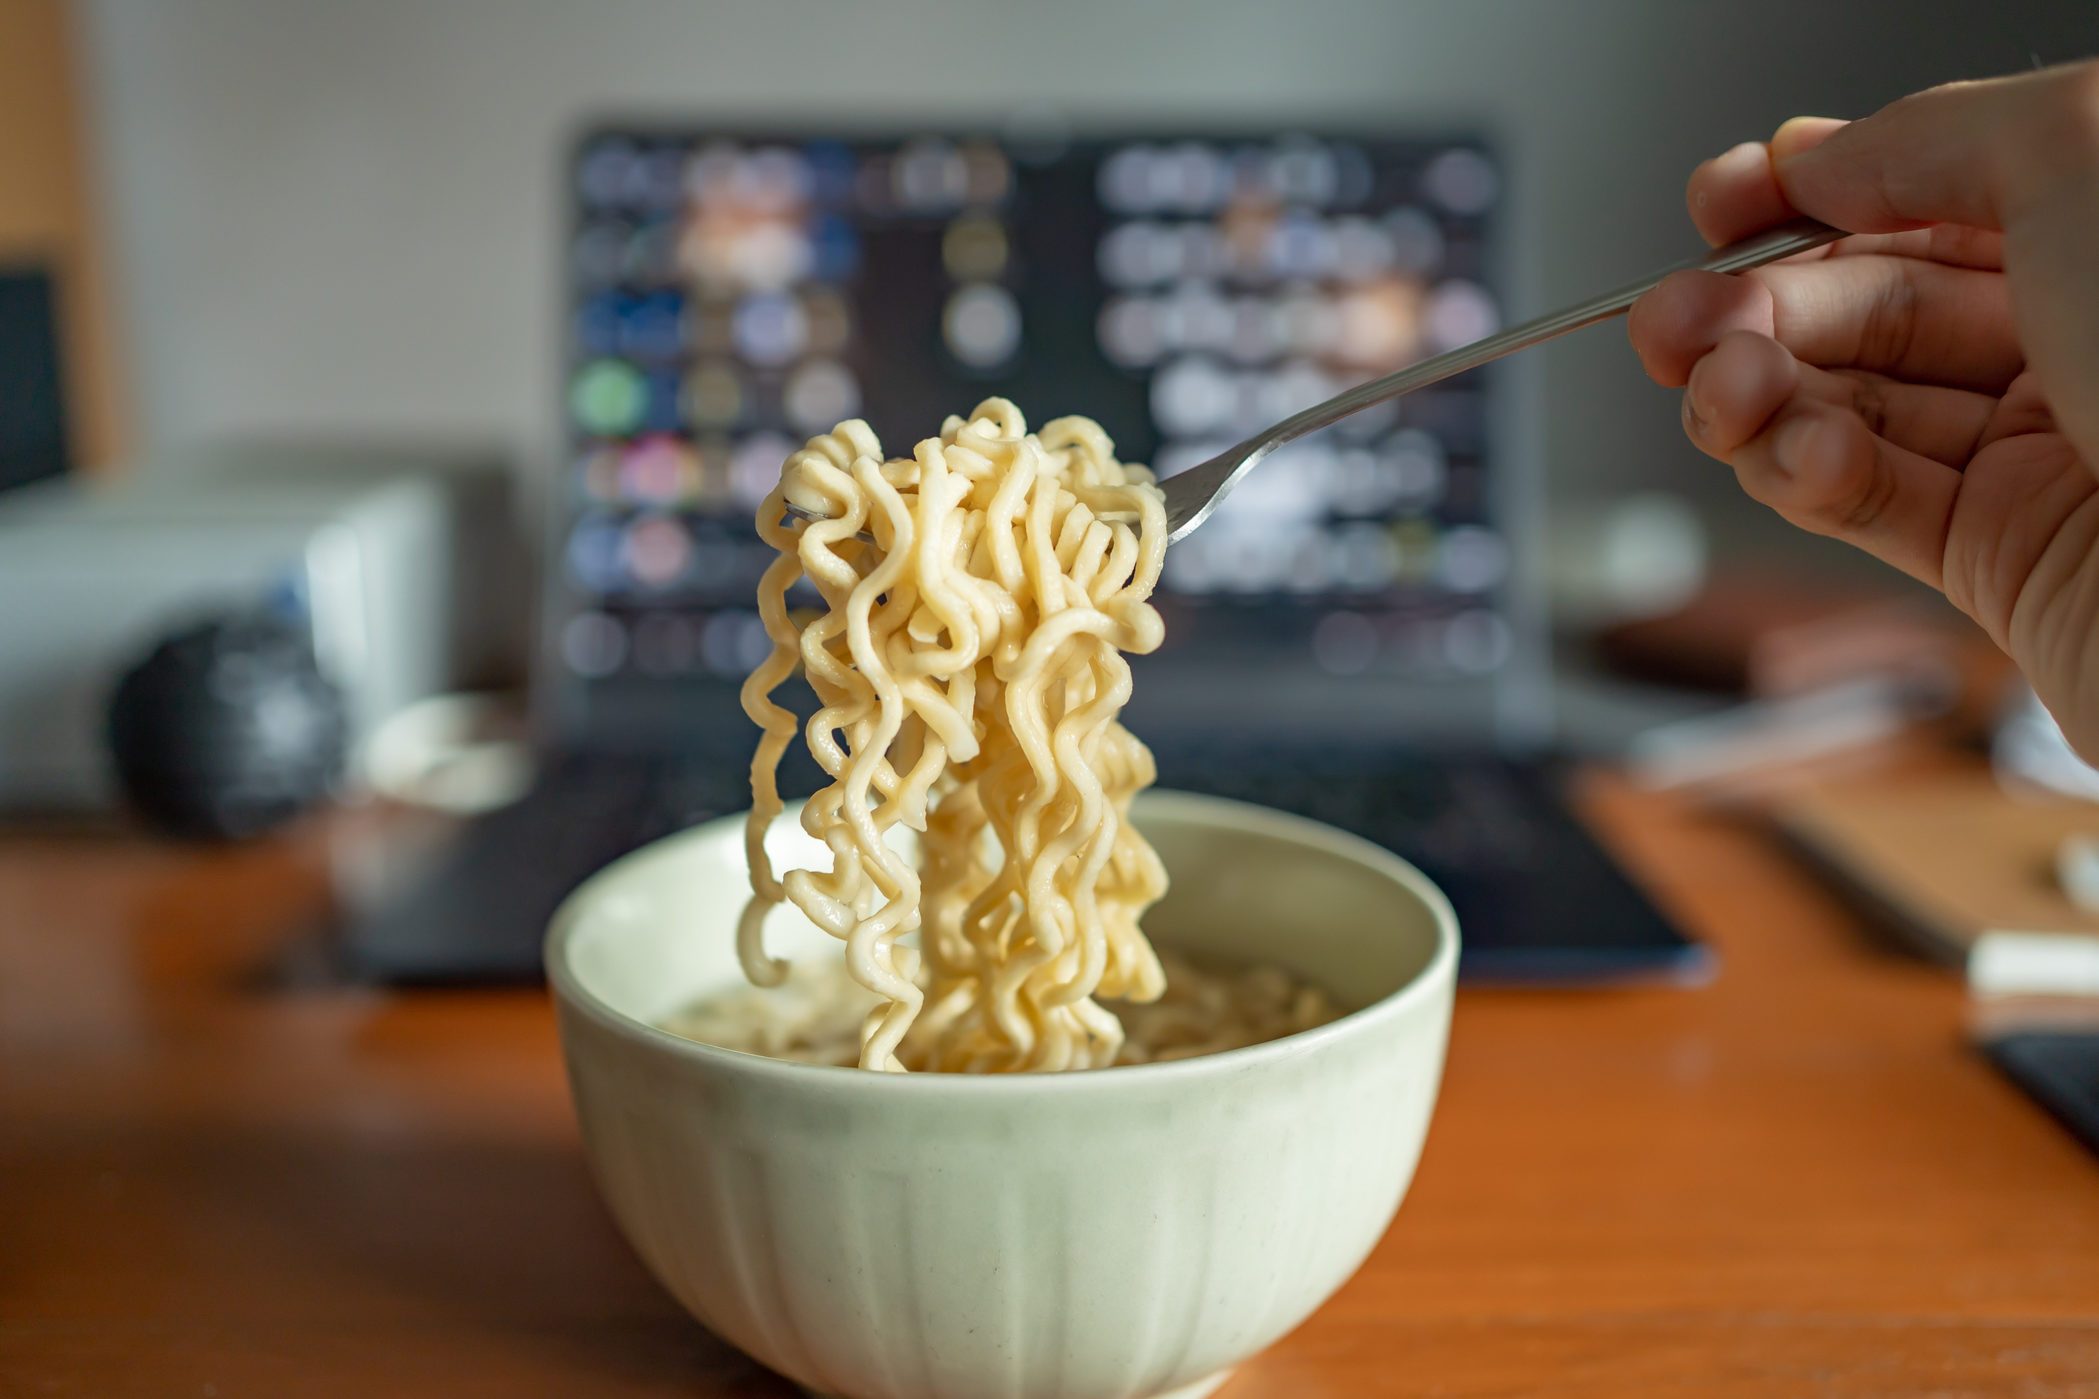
{"points": [[338, 215]]}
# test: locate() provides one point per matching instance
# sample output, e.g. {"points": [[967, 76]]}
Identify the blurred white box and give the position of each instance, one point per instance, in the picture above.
{"points": [[408, 567]]}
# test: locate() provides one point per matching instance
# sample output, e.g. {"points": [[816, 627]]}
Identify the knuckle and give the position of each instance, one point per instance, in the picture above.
{"points": [[1863, 501], [1963, 246], [1869, 399], [1842, 495], [1890, 328]]}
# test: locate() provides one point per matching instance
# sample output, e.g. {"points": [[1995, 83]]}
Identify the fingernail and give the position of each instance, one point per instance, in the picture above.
{"points": [[1694, 416], [1792, 143], [1747, 155], [1795, 440], [1785, 141]]}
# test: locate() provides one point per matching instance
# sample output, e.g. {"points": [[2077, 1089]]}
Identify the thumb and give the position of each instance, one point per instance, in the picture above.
{"points": [[1800, 135], [1973, 153]]}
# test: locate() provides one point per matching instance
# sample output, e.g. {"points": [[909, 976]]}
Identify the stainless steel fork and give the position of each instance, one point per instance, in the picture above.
{"points": [[1192, 496]]}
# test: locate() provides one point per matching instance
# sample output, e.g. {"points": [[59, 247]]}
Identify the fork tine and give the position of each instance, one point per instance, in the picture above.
{"points": [[1192, 494]]}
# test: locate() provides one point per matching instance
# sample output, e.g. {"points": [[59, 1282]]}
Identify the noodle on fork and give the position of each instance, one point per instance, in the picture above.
{"points": [[969, 668]]}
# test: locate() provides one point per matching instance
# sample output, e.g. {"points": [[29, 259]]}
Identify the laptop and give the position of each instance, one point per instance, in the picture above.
{"points": [[1358, 635]]}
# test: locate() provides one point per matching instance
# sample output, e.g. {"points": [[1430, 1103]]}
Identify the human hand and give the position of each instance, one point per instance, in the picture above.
{"points": [[1929, 389]]}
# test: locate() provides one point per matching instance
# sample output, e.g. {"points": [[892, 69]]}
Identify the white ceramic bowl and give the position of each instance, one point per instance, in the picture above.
{"points": [[1105, 1235]]}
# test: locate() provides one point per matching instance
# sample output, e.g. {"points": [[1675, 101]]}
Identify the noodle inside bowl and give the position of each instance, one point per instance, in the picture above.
{"points": [[1104, 1234]]}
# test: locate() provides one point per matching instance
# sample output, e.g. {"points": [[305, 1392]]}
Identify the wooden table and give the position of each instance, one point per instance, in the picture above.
{"points": [[1794, 1181]]}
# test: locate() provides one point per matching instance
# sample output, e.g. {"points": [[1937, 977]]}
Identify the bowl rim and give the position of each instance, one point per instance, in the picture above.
{"points": [[1436, 976]]}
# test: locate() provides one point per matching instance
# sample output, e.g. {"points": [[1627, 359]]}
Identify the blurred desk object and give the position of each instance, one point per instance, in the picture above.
{"points": [[1764, 637], [403, 563], [1945, 856], [1799, 1178]]}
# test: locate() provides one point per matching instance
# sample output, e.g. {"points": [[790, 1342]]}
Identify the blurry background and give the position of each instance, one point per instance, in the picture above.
{"points": [[347, 217], [359, 331]]}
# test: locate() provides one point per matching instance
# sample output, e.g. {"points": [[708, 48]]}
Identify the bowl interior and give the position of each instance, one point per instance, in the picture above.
{"points": [[655, 931]]}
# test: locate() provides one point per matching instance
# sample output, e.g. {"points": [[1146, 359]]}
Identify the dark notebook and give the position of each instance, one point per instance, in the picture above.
{"points": [[2060, 1068]]}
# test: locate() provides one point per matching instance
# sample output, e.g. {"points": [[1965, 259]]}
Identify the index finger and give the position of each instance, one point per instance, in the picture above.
{"points": [[1974, 153], [1736, 193]]}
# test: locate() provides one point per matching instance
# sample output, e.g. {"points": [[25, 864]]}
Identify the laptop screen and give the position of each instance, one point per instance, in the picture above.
{"points": [[731, 295]]}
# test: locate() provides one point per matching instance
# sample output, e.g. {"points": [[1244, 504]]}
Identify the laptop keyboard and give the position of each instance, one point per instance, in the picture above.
{"points": [[1451, 811], [1536, 898]]}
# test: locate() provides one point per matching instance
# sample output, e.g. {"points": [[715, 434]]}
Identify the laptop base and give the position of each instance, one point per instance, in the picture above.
{"points": [[1538, 901]]}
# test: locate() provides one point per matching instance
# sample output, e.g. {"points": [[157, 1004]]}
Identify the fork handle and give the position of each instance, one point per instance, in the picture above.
{"points": [[1783, 240]]}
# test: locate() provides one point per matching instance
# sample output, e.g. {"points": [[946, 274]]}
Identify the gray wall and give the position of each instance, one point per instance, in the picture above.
{"points": [[339, 215]]}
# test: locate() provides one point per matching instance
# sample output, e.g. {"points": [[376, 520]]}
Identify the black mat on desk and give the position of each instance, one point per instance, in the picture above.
{"points": [[2061, 1070]]}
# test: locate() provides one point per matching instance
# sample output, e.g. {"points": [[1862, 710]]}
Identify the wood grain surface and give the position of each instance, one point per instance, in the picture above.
{"points": [[217, 1180]]}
